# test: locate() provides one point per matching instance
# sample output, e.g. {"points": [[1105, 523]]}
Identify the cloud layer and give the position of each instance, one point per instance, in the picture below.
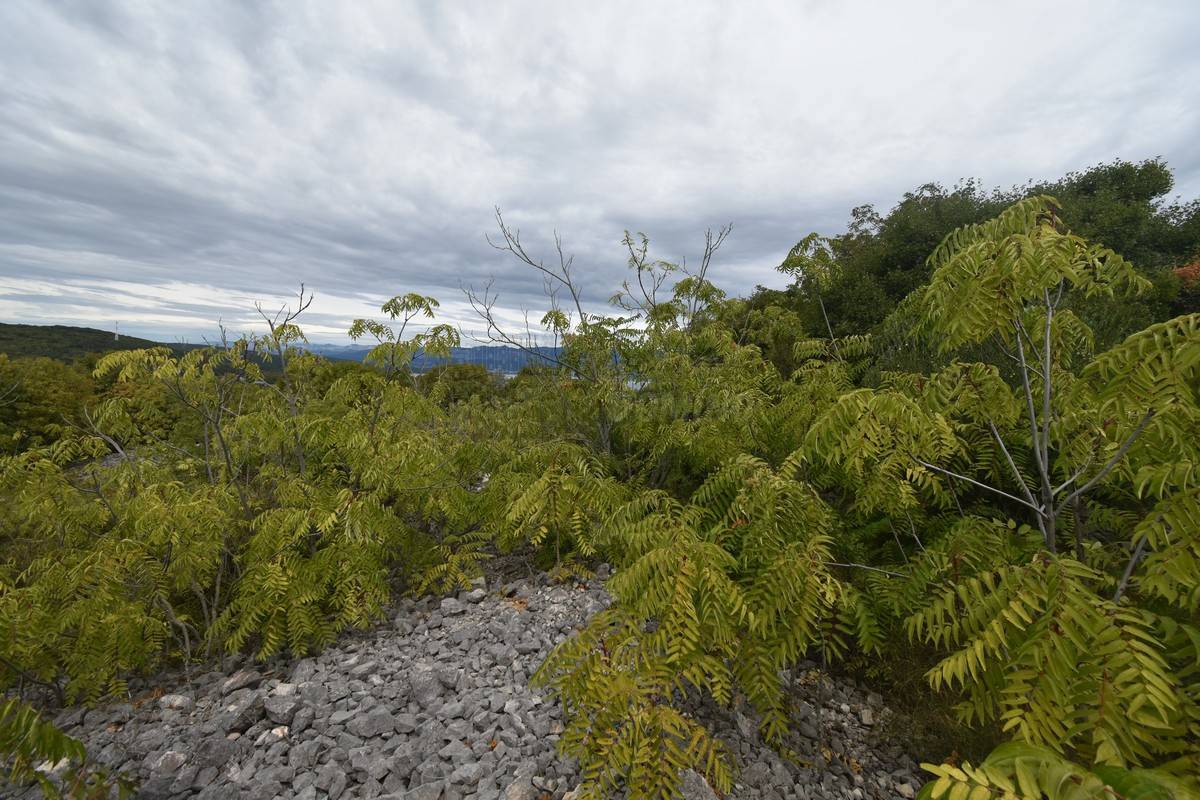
{"points": [[168, 164]]}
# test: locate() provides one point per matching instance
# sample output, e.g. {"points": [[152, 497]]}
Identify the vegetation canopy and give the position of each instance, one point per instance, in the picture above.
{"points": [[997, 484]]}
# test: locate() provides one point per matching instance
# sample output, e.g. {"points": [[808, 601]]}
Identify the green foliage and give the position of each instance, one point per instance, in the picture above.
{"points": [[1016, 510], [621, 727], [39, 397], [1060, 666], [1018, 771], [34, 751], [881, 258], [457, 383], [1066, 650], [716, 595], [289, 516]]}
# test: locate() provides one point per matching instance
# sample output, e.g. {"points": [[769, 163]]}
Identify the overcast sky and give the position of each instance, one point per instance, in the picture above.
{"points": [[168, 164]]}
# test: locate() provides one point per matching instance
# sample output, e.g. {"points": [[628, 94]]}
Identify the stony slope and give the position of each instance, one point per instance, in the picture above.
{"points": [[437, 706]]}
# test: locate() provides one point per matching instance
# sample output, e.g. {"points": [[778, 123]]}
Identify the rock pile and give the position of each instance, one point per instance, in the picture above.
{"points": [[437, 707]]}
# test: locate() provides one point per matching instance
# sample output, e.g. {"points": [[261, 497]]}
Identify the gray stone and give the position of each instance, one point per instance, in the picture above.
{"points": [[241, 710], [376, 722], [304, 671], [521, 789], [303, 718], [169, 763], [467, 774], [426, 688], [448, 675], [216, 752], [314, 693], [325, 776], [149, 741], [281, 709], [304, 754], [456, 752], [70, 717], [242, 679], [177, 702], [433, 790], [337, 785], [694, 787], [157, 787], [451, 607], [364, 669], [219, 791]]}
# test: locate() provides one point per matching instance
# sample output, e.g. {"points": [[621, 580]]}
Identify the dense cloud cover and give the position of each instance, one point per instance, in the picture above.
{"points": [[167, 164]]}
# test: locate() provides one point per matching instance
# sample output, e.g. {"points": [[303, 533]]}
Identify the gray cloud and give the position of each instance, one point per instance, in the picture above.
{"points": [[167, 164]]}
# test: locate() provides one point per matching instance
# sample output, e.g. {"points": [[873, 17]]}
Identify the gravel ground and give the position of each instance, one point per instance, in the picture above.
{"points": [[436, 706]]}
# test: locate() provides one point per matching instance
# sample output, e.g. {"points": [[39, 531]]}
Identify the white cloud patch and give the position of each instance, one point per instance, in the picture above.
{"points": [[165, 164]]}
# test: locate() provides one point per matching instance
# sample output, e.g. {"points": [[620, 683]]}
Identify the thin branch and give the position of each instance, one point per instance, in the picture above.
{"points": [[483, 305], [512, 244], [1129, 568], [28, 676], [896, 536], [1112, 462], [1046, 383], [887, 572], [1012, 464], [1033, 428], [993, 489], [1078, 472], [913, 528]]}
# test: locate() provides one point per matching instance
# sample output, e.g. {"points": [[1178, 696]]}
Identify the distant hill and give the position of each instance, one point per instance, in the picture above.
{"points": [[67, 343]]}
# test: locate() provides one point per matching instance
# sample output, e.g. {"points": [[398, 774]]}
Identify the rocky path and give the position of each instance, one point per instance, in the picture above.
{"points": [[437, 707]]}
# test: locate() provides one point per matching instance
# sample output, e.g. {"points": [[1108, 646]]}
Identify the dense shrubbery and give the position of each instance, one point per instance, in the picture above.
{"points": [[881, 259], [1024, 504]]}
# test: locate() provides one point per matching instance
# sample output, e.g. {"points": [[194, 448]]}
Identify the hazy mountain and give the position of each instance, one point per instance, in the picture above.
{"points": [[495, 358]]}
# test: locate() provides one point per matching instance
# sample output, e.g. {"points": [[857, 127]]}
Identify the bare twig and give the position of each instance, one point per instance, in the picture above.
{"points": [[1129, 568], [1112, 462], [852, 565], [992, 489]]}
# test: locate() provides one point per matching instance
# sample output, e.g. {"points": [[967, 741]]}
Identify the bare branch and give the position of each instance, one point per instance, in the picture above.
{"points": [[887, 572], [992, 489], [511, 243], [1078, 472], [483, 306], [1129, 568], [1112, 462], [1012, 464], [1046, 384]]}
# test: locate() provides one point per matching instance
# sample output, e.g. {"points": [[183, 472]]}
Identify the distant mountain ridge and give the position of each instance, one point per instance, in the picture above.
{"points": [[496, 358], [68, 342]]}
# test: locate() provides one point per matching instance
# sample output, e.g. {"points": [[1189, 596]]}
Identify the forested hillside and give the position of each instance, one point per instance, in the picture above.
{"points": [[67, 342], [959, 460]]}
